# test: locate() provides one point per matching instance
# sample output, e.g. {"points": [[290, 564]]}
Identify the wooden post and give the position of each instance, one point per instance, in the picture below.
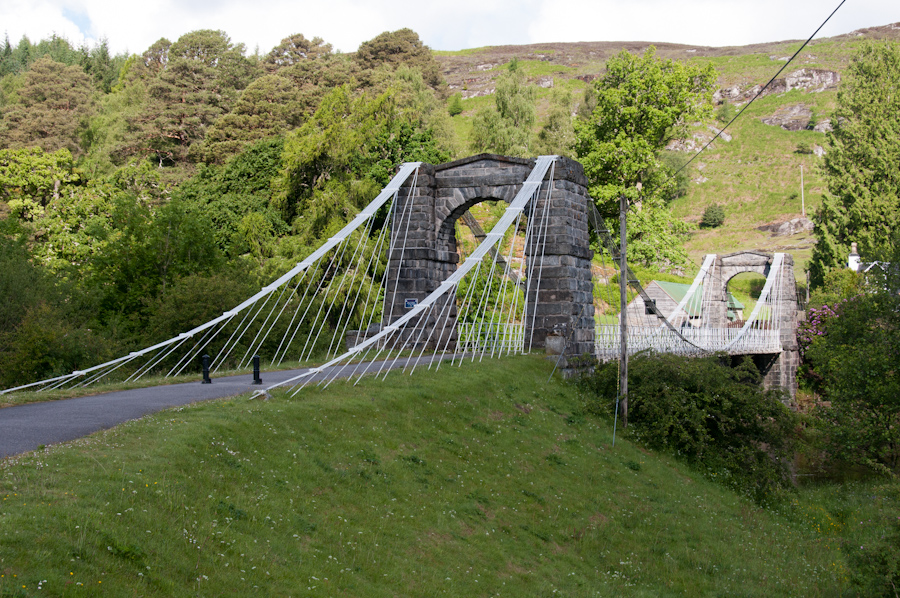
{"points": [[623, 299]]}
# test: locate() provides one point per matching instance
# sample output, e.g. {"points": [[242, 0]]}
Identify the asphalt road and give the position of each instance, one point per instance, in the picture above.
{"points": [[24, 428]]}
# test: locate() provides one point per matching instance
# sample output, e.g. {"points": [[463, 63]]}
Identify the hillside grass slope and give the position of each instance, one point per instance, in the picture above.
{"points": [[755, 175], [481, 480]]}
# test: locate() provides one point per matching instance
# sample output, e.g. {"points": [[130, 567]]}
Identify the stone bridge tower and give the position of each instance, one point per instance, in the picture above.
{"points": [[780, 369], [560, 302]]}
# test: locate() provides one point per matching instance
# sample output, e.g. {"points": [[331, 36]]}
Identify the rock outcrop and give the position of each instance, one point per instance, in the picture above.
{"points": [[810, 80], [788, 228]]}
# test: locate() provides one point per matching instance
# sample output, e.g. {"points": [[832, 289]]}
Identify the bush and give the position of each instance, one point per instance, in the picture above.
{"points": [[46, 344], [851, 351], [725, 112], [713, 216], [454, 106], [714, 416]]}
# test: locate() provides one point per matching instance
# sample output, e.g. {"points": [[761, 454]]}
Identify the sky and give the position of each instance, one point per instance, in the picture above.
{"points": [[131, 26]]}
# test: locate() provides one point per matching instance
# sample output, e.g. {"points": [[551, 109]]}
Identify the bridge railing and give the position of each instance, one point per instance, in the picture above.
{"points": [[695, 340], [484, 336]]}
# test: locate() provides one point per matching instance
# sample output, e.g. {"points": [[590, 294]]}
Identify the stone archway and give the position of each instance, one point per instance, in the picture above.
{"points": [[780, 369], [561, 303]]}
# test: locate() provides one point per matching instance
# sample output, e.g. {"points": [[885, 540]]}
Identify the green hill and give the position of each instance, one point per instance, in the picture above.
{"points": [[756, 174], [484, 480]]}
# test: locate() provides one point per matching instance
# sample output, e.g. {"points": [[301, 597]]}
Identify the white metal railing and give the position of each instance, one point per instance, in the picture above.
{"points": [[484, 336], [662, 340]]}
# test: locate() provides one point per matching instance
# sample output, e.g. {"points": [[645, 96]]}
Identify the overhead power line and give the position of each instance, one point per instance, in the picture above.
{"points": [[759, 93]]}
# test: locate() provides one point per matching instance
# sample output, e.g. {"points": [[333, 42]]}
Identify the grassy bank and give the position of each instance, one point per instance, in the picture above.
{"points": [[485, 480]]}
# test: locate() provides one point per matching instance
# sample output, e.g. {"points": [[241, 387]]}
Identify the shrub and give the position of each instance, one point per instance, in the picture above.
{"points": [[713, 216], [852, 360], [714, 416], [725, 112], [454, 106]]}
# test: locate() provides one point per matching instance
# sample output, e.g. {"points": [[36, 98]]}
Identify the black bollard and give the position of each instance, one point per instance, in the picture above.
{"points": [[205, 361], [256, 378]]}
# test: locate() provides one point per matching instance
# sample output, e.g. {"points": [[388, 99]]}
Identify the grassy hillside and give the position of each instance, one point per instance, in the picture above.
{"points": [[485, 480], [756, 175]]}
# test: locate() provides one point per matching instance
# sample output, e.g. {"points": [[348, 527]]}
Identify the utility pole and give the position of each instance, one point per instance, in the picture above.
{"points": [[802, 198], [623, 301]]}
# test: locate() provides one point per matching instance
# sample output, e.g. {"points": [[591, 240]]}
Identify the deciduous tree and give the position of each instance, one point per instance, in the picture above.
{"points": [[642, 103], [506, 127]]}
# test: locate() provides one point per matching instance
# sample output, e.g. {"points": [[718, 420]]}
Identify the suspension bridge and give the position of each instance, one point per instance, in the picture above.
{"points": [[413, 275]]}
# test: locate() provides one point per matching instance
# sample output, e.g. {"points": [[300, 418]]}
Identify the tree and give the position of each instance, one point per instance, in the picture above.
{"points": [[393, 48], [340, 158], [862, 164], [189, 85], [506, 127], [852, 356], [557, 135], [268, 107], [227, 193], [295, 49], [642, 103], [31, 178], [52, 108]]}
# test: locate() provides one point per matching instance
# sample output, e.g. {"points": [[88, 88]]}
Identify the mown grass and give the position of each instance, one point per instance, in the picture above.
{"points": [[483, 480]]}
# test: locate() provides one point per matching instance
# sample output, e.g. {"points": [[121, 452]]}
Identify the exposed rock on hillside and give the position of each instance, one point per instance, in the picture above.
{"points": [[810, 80], [796, 118], [789, 227]]}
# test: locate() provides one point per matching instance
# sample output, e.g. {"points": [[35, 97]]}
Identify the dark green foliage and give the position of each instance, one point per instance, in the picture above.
{"points": [[713, 216], [712, 415], [227, 194], [295, 49], [454, 105], [862, 164], [852, 362], [268, 107], [804, 149], [393, 48], [725, 112], [350, 143], [147, 250], [189, 85], [51, 109], [192, 300], [46, 344], [23, 284], [40, 332]]}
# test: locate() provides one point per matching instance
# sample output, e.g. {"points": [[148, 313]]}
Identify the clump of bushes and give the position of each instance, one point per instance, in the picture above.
{"points": [[454, 105], [716, 417], [713, 216]]}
